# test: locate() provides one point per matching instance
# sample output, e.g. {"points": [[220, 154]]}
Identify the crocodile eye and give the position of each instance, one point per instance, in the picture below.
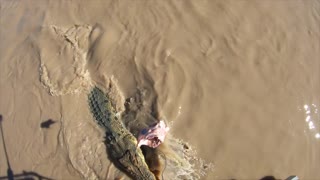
{"points": [[109, 137]]}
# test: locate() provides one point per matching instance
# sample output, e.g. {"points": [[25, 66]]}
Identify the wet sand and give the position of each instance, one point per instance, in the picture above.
{"points": [[238, 81]]}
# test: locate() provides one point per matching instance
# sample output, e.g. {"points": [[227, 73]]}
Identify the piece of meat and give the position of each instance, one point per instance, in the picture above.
{"points": [[154, 135]]}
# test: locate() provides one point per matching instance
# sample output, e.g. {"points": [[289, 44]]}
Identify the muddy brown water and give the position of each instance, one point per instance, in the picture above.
{"points": [[238, 81]]}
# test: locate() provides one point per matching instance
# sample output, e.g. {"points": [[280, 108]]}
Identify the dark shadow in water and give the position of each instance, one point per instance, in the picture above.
{"points": [[25, 175], [273, 178], [268, 178], [47, 123]]}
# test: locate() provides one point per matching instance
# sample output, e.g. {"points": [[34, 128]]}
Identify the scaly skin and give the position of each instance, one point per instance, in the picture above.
{"points": [[121, 144]]}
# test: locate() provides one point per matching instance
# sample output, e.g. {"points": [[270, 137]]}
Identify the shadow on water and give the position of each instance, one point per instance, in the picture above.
{"points": [[273, 178], [47, 123], [25, 175], [268, 178]]}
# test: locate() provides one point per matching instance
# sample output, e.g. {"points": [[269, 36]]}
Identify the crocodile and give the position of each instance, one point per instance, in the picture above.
{"points": [[122, 146]]}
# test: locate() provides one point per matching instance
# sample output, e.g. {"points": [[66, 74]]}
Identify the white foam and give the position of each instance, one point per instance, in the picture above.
{"points": [[70, 77]]}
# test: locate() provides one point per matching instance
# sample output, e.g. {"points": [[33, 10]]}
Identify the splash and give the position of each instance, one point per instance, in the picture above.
{"points": [[63, 69], [183, 162]]}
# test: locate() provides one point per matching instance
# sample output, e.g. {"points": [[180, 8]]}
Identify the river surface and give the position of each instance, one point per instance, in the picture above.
{"points": [[238, 83]]}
